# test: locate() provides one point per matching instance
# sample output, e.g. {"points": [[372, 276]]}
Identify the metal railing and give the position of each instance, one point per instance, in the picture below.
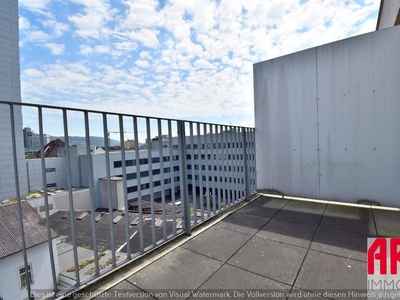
{"points": [[174, 175]]}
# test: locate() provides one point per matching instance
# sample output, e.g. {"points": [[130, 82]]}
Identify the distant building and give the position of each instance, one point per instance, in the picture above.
{"points": [[13, 282], [32, 140]]}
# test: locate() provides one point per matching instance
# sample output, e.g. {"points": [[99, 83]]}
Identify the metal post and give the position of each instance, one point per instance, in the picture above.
{"points": [[245, 168], [125, 187], [91, 194], [18, 195], [109, 196], [46, 201], [184, 191], [70, 197]]}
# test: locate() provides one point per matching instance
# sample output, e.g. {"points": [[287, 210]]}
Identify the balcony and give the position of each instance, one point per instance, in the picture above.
{"points": [[170, 214]]}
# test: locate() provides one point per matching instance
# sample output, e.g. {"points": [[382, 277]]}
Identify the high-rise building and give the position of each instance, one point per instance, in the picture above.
{"points": [[10, 90]]}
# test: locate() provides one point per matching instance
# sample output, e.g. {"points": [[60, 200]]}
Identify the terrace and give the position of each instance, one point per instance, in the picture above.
{"points": [[270, 247]]}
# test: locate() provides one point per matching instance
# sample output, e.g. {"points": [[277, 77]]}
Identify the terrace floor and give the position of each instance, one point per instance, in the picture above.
{"points": [[270, 245]]}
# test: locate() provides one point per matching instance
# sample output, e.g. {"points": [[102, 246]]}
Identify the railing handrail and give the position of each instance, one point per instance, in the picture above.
{"points": [[37, 105]]}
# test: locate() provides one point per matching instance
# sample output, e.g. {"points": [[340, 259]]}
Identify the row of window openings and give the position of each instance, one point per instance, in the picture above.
{"points": [[225, 168], [219, 145], [143, 161], [146, 186], [154, 160], [221, 179], [225, 156], [131, 176]]}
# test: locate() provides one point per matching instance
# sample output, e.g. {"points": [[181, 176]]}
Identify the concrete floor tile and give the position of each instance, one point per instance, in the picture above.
{"points": [[340, 243], [272, 259], [243, 223], [241, 284], [218, 243], [326, 272], [288, 232], [180, 269]]}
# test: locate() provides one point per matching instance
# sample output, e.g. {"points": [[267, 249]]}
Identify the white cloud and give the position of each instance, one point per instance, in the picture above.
{"points": [[55, 49], [172, 66], [142, 63]]}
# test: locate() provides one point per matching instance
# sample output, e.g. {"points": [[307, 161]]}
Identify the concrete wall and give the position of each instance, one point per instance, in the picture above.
{"points": [[327, 120], [58, 176], [10, 90], [38, 256]]}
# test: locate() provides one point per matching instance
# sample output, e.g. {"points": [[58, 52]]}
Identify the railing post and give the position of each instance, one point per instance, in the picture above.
{"points": [[245, 167], [182, 167]]}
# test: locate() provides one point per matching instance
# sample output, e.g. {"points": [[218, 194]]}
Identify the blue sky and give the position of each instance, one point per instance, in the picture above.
{"points": [[170, 58]]}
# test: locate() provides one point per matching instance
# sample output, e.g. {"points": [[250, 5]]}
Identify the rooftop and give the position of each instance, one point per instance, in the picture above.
{"points": [[34, 228], [269, 245]]}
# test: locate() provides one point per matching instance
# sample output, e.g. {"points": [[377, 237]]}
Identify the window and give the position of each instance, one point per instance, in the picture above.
{"points": [[203, 156], [166, 158], [189, 167], [143, 161], [190, 177], [188, 156], [155, 160], [49, 185], [203, 167], [131, 189], [117, 164], [156, 183], [156, 172], [168, 180], [145, 186], [176, 179], [22, 276], [176, 157], [196, 177], [167, 170], [196, 156], [176, 168], [50, 170], [175, 147], [144, 174]]}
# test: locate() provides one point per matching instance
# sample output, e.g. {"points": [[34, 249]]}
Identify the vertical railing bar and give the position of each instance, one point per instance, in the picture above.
{"points": [[218, 154], [91, 194], [254, 160], [223, 153], [183, 180], [213, 187], [171, 164], [200, 163], [236, 163], [245, 163], [18, 196], [70, 196], [206, 170], [46, 200], [161, 154], [125, 187], [230, 151], [108, 172], [139, 184], [194, 198], [150, 163]]}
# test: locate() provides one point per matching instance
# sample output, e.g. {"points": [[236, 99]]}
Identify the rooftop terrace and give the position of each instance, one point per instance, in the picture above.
{"points": [[267, 245]]}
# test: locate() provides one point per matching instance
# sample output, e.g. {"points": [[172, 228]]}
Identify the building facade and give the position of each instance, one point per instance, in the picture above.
{"points": [[10, 90]]}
